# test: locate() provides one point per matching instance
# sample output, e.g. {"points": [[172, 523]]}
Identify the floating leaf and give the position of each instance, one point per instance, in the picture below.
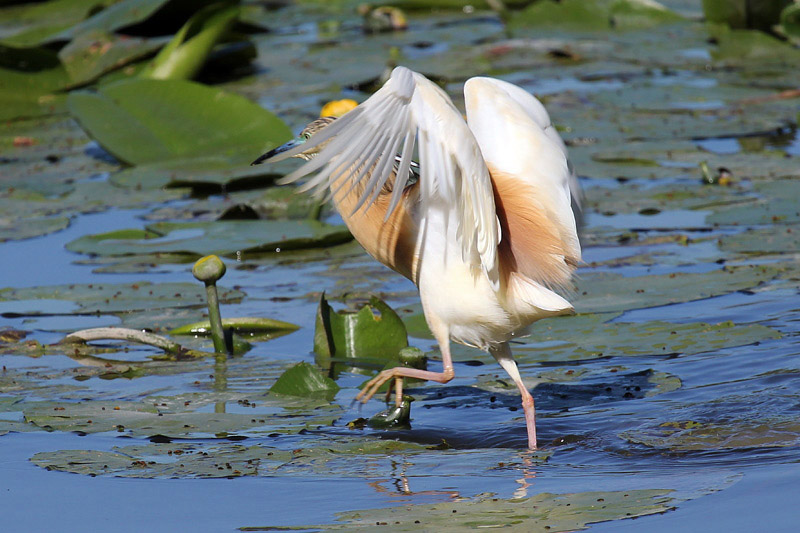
{"points": [[373, 333], [590, 336], [94, 53], [772, 240], [539, 514], [222, 237], [254, 328], [109, 297], [305, 381], [39, 23], [30, 94], [780, 203], [175, 119], [338, 458], [603, 292], [206, 173], [180, 416]]}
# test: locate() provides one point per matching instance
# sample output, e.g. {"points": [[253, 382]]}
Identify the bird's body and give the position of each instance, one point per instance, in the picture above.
{"points": [[486, 232]]}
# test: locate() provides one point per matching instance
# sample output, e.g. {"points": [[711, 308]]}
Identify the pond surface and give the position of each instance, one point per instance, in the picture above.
{"points": [[671, 397]]}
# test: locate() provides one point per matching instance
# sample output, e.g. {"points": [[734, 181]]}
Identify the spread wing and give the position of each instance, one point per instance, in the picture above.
{"points": [[375, 142], [532, 150], [534, 109]]}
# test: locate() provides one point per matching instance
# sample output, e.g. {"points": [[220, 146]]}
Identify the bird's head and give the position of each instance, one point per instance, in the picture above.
{"points": [[305, 135]]}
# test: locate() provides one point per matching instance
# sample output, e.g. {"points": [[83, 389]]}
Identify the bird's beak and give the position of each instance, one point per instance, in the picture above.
{"points": [[279, 150]]}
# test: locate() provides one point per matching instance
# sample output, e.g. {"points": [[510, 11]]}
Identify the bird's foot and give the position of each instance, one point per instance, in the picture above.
{"points": [[398, 373], [377, 382]]}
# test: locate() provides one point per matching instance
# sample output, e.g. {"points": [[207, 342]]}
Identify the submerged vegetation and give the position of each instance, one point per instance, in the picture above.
{"points": [[127, 131]]}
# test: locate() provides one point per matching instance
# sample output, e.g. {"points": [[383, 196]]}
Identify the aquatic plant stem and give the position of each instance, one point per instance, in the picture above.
{"points": [[208, 270]]}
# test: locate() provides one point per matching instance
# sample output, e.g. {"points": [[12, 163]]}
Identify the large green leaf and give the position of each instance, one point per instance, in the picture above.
{"points": [[144, 121], [374, 333], [305, 381]]}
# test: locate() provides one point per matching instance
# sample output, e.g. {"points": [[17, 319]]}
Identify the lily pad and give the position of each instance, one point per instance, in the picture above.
{"points": [[205, 173], [589, 336], [254, 328], [772, 240], [106, 298], [544, 512], [374, 333], [595, 15], [222, 237], [153, 418], [339, 458], [780, 204], [33, 24], [94, 53], [604, 292], [175, 119], [31, 94], [305, 381]]}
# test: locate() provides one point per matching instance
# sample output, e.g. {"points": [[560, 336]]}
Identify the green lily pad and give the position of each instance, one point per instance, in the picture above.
{"points": [[214, 172], [255, 328], [33, 24], [772, 240], [589, 336], [157, 417], [31, 94], [339, 458], [305, 381], [632, 198], [108, 298], [126, 13], [604, 292], [770, 431], [780, 204], [594, 15], [28, 214], [175, 119], [94, 53], [222, 237], [12, 229], [542, 513], [374, 333]]}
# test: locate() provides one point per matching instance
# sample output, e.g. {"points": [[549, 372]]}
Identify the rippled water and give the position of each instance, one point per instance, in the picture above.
{"points": [[718, 427]]}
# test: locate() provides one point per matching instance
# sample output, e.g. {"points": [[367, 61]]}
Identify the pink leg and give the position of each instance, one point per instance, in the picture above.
{"points": [[400, 372], [502, 353]]}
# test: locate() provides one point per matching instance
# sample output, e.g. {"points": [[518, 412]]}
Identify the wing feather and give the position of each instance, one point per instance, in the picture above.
{"points": [[359, 153]]}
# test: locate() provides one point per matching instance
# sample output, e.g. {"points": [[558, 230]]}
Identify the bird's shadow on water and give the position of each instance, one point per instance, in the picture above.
{"points": [[432, 423]]}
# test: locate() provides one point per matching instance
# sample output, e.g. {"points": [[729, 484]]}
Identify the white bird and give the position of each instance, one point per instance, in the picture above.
{"points": [[483, 226]]}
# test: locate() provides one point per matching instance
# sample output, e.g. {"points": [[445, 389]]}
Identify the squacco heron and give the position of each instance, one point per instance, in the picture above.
{"points": [[482, 224]]}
